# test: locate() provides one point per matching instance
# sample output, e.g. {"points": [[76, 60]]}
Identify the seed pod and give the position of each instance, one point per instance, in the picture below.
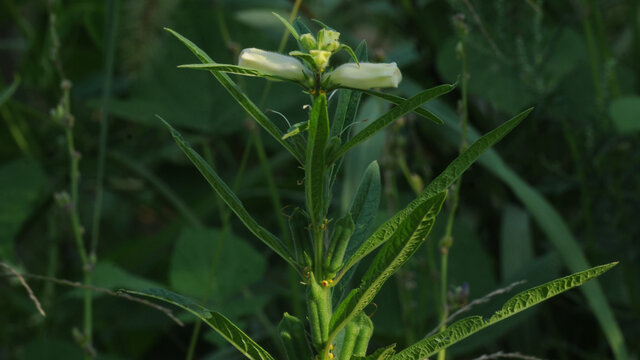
{"points": [[351, 331], [364, 335], [319, 308], [300, 237], [293, 337], [338, 246]]}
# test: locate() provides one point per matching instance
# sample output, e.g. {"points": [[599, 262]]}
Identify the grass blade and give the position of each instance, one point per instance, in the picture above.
{"points": [[230, 198], [403, 108], [218, 322], [239, 95], [520, 302], [411, 232], [439, 184]]}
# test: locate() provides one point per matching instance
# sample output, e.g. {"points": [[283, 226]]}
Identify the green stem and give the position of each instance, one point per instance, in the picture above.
{"points": [[447, 240], [112, 29]]}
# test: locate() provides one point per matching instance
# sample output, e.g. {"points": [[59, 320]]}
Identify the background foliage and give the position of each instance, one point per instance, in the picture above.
{"points": [[162, 226]]}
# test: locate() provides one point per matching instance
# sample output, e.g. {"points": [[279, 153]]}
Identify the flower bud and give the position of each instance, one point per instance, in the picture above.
{"points": [[328, 40], [364, 77], [278, 65], [308, 41], [321, 58]]}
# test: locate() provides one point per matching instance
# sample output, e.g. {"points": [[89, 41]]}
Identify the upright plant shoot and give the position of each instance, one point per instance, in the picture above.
{"points": [[326, 245]]}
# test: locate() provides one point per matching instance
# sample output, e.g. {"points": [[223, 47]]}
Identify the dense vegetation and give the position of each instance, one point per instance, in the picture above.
{"points": [[556, 196]]}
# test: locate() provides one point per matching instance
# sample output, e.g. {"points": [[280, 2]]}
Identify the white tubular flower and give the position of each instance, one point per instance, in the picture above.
{"points": [[365, 76], [278, 65]]}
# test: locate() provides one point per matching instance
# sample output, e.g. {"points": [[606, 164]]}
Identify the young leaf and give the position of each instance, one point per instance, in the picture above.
{"points": [[223, 326], [439, 184], [409, 235], [239, 95], [522, 301], [289, 27], [403, 108], [314, 166], [364, 209], [229, 197], [398, 100]]}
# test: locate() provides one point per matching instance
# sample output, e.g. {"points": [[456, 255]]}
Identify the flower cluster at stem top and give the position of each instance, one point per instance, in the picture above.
{"points": [[309, 67]]}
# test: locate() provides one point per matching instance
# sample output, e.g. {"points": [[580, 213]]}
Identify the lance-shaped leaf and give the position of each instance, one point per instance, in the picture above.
{"points": [[364, 209], [229, 197], [403, 108], [223, 326], [411, 232], [238, 95], [398, 100], [314, 165], [522, 301], [439, 184], [289, 27], [230, 69]]}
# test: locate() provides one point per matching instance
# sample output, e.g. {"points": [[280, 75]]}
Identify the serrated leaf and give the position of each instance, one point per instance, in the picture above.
{"points": [[409, 235], [398, 100], [439, 184], [223, 326], [522, 301], [380, 354], [229, 197], [314, 166], [238, 95], [555, 228], [403, 108], [289, 27]]}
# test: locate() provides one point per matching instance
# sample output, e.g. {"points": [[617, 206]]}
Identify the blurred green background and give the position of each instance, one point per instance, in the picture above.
{"points": [[560, 192]]}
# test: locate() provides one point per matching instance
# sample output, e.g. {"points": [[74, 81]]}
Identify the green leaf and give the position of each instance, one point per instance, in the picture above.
{"points": [[520, 302], [363, 209], [405, 241], [380, 354], [229, 197], [315, 187], [306, 57], [398, 100], [228, 330], [403, 108], [206, 258], [226, 68], [439, 184], [349, 51], [289, 27], [624, 113], [552, 224], [364, 206], [8, 92], [238, 95], [21, 184]]}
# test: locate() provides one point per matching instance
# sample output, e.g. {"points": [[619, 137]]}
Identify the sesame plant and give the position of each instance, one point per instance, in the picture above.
{"points": [[325, 246]]}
